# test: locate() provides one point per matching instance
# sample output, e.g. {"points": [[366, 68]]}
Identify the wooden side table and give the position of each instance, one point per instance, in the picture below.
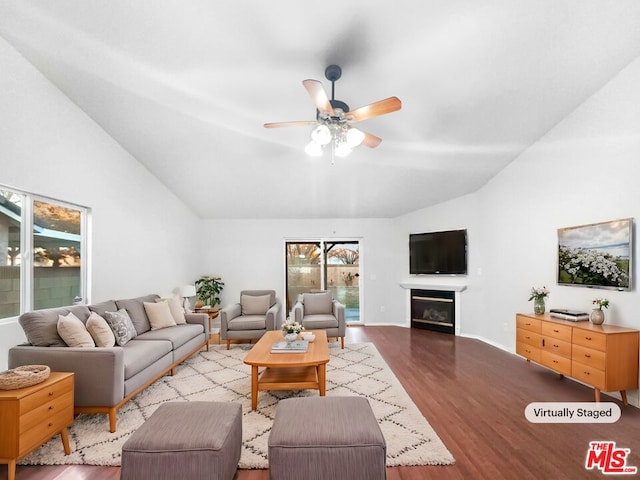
{"points": [[31, 416], [214, 333]]}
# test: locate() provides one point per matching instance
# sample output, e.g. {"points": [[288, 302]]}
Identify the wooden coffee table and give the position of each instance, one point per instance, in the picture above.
{"points": [[287, 371]]}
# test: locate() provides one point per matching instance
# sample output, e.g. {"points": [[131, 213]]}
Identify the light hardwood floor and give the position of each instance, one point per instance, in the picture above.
{"points": [[474, 396]]}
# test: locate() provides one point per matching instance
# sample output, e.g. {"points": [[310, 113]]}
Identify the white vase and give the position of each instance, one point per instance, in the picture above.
{"points": [[290, 337], [597, 316]]}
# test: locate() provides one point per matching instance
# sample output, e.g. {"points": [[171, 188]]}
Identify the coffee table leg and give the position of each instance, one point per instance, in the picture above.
{"points": [[322, 371], [254, 387]]}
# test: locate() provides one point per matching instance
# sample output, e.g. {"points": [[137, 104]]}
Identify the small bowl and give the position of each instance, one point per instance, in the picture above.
{"points": [[310, 337]]}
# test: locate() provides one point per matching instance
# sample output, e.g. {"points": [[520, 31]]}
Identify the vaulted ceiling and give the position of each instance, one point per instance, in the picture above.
{"points": [[185, 87]]}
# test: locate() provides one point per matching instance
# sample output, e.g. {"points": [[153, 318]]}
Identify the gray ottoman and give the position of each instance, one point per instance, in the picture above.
{"points": [[326, 438], [194, 440]]}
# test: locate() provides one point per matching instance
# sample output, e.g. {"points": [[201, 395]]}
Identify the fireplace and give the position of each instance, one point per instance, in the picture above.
{"points": [[433, 310]]}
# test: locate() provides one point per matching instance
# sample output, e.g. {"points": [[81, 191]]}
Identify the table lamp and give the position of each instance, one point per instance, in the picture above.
{"points": [[187, 291]]}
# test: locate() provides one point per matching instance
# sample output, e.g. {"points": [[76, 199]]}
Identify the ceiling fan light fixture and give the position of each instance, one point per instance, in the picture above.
{"points": [[321, 135], [354, 137], [313, 149], [341, 150]]}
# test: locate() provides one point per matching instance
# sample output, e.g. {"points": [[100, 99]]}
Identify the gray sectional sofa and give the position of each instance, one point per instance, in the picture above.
{"points": [[107, 377]]}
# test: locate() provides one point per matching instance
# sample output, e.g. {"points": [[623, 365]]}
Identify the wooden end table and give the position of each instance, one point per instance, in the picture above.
{"points": [[30, 416], [214, 333], [287, 371]]}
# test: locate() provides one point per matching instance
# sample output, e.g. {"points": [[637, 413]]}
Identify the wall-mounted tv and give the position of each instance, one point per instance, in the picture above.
{"points": [[438, 253], [598, 255]]}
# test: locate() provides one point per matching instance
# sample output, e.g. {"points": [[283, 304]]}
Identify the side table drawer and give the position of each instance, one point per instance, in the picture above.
{"points": [[528, 323], [43, 412], [45, 395], [48, 428]]}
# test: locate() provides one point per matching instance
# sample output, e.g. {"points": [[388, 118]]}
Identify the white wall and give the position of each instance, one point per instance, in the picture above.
{"points": [[144, 240], [250, 254], [585, 170]]}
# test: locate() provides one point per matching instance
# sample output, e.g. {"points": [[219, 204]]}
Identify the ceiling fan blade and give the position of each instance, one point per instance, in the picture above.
{"points": [[370, 140], [382, 107], [299, 123], [318, 95]]}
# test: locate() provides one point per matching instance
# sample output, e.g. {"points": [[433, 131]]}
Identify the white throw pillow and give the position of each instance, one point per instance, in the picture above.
{"points": [[100, 331], [73, 331], [176, 308], [255, 304], [159, 315]]}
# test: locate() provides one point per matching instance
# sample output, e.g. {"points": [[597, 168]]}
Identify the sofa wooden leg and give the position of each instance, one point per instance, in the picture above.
{"points": [[112, 420], [342, 342], [228, 344]]}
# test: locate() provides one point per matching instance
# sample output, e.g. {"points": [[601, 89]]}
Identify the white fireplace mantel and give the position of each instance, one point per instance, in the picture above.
{"points": [[432, 286]]}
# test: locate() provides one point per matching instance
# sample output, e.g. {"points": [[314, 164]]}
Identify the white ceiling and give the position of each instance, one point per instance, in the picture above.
{"points": [[186, 85]]}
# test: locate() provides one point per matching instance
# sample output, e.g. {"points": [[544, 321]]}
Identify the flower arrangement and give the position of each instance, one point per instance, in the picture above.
{"points": [[539, 293], [601, 303], [291, 327]]}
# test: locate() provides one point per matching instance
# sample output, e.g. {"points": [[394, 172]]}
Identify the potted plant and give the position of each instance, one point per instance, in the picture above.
{"points": [[208, 288]]}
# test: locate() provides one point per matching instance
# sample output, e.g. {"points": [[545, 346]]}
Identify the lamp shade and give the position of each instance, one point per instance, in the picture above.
{"points": [[187, 291]]}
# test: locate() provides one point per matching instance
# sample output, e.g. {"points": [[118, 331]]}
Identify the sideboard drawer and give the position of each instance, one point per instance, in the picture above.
{"points": [[590, 339], [588, 374], [527, 351], [556, 362], [528, 323], [589, 356], [561, 332], [36, 416], [528, 337], [48, 428], [559, 347]]}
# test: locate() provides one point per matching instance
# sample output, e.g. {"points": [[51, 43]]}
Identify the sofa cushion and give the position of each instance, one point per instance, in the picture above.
{"points": [[139, 355], [177, 310], [159, 315], [103, 307], [135, 309], [315, 303], [321, 321], [121, 325], [73, 331], [247, 322], [100, 331], [255, 304], [177, 335], [41, 326]]}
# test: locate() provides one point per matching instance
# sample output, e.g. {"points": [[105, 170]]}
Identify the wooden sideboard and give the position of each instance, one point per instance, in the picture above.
{"points": [[31, 416], [602, 356]]}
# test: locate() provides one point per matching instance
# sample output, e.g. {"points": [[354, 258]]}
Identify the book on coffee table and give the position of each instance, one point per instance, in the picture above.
{"points": [[297, 346]]}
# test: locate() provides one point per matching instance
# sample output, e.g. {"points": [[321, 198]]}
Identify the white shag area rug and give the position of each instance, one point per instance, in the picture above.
{"points": [[220, 375]]}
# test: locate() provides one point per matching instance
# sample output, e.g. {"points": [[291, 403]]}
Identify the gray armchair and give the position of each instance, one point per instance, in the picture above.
{"points": [[319, 311], [257, 312]]}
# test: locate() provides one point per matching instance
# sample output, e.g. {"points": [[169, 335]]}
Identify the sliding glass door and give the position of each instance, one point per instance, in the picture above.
{"points": [[332, 265]]}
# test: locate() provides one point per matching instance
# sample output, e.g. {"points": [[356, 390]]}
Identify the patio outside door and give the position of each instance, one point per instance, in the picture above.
{"points": [[332, 265]]}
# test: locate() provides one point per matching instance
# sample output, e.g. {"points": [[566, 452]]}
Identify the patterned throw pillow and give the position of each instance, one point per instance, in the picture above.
{"points": [[121, 326]]}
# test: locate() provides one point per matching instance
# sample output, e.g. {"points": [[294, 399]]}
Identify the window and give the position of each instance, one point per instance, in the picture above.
{"points": [[43, 260]]}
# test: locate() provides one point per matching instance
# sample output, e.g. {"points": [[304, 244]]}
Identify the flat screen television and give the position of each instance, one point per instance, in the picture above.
{"points": [[598, 255], [438, 253]]}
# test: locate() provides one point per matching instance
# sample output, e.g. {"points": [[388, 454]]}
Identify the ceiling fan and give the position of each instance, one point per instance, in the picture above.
{"points": [[334, 119]]}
